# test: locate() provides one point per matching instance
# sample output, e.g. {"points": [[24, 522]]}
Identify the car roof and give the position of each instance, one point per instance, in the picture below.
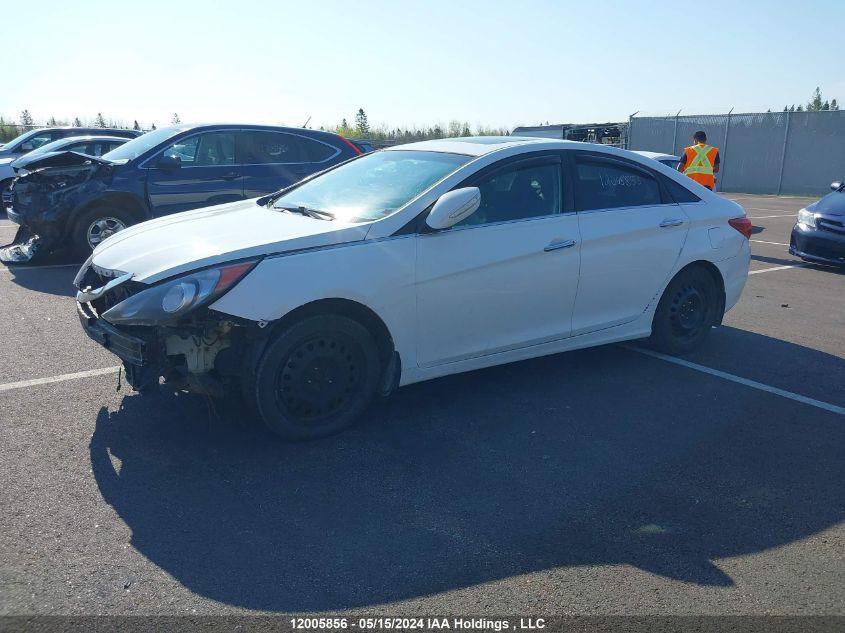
{"points": [[655, 155], [91, 137], [479, 145]]}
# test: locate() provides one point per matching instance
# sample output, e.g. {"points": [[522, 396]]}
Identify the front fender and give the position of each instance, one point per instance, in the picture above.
{"points": [[378, 274]]}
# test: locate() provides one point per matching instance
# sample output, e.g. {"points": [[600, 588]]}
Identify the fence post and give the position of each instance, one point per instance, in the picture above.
{"points": [[724, 150], [675, 134], [783, 151], [630, 128]]}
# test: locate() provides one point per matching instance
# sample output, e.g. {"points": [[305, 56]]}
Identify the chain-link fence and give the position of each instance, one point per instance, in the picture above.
{"points": [[770, 152]]}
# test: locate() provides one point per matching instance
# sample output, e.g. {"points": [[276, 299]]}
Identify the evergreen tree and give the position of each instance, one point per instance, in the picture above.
{"points": [[175, 120], [26, 119], [99, 121], [816, 102], [361, 123], [135, 125], [77, 122], [52, 121], [466, 131], [834, 105], [826, 105], [153, 126], [800, 108]]}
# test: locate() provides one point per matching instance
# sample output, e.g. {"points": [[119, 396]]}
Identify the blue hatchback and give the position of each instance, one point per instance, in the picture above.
{"points": [[82, 200]]}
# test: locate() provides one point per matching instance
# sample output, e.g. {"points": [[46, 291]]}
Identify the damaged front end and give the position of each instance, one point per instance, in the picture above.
{"points": [[44, 195], [166, 330]]}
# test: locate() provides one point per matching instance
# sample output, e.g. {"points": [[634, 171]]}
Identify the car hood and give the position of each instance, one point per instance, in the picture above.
{"points": [[832, 204], [183, 242], [58, 159]]}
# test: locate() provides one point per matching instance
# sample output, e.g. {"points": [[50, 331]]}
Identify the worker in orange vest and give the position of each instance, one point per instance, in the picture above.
{"points": [[700, 161]]}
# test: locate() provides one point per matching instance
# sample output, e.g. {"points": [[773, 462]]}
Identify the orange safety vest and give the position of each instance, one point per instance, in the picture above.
{"points": [[701, 159]]}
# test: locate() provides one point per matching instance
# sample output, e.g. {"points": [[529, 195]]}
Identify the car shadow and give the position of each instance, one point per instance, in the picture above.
{"points": [[49, 273], [781, 261], [596, 457]]}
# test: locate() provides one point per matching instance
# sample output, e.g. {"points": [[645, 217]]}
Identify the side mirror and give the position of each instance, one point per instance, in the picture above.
{"points": [[836, 186], [27, 147], [453, 207], [169, 162]]}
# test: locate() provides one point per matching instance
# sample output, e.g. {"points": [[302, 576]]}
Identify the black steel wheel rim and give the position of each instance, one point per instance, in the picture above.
{"points": [[688, 312], [319, 378]]}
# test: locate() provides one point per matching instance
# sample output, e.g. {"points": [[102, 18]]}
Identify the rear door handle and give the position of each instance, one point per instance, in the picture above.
{"points": [[559, 244], [671, 222], [231, 175]]}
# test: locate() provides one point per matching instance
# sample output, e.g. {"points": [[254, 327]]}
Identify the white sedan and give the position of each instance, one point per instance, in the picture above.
{"points": [[412, 263]]}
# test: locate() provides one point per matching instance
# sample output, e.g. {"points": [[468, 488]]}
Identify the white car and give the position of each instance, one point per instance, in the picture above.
{"points": [[412, 263], [670, 160]]}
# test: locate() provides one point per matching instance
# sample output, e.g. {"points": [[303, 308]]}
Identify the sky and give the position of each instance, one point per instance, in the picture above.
{"points": [[408, 62]]}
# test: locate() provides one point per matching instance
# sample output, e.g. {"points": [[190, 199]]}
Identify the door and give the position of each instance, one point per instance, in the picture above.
{"points": [[506, 276], [275, 160], [631, 237], [208, 174]]}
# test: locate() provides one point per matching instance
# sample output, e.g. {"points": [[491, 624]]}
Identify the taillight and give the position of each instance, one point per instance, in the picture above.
{"points": [[354, 147], [743, 225]]}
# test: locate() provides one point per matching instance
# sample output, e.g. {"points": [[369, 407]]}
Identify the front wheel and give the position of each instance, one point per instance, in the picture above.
{"points": [[316, 377], [686, 312], [96, 224]]}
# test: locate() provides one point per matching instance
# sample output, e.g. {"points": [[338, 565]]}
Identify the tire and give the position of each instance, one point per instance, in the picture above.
{"points": [[686, 312], [95, 224], [315, 378]]}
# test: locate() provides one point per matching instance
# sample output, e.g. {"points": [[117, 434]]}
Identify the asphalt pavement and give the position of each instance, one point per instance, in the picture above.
{"points": [[604, 481]]}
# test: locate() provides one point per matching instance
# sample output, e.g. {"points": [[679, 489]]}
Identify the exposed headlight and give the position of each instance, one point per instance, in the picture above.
{"points": [[173, 299], [807, 218]]}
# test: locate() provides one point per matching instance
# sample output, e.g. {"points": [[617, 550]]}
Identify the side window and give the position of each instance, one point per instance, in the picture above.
{"points": [[107, 147], [82, 148], [608, 184], [215, 148], [315, 151], [204, 150], [34, 142], [679, 193], [259, 148], [185, 150], [517, 193]]}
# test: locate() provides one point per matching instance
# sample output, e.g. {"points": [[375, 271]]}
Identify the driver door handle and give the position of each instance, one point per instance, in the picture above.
{"points": [[231, 175], [558, 244], [671, 222]]}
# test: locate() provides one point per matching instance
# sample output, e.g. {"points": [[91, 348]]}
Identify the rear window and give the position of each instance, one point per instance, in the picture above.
{"points": [[679, 193], [609, 184]]}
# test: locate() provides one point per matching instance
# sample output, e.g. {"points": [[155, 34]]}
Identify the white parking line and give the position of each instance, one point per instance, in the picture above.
{"points": [[765, 242], [742, 381], [60, 378], [769, 270]]}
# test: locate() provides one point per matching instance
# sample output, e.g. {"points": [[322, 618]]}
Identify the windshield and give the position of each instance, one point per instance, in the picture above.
{"points": [[373, 186], [141, 144], [53, 146], [19, 139]]}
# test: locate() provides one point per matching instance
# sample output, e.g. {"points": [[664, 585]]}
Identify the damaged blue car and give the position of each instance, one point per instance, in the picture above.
{"points": [[71, 199]]}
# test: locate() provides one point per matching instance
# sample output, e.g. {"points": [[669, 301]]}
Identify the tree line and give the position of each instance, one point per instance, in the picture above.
{"points": [[387, 135], [815, 104], [10, 129]]}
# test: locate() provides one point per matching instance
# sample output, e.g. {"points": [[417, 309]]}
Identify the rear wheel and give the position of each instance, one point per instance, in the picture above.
{"points": [[686, 312], [316, 377], [96, 224]]}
